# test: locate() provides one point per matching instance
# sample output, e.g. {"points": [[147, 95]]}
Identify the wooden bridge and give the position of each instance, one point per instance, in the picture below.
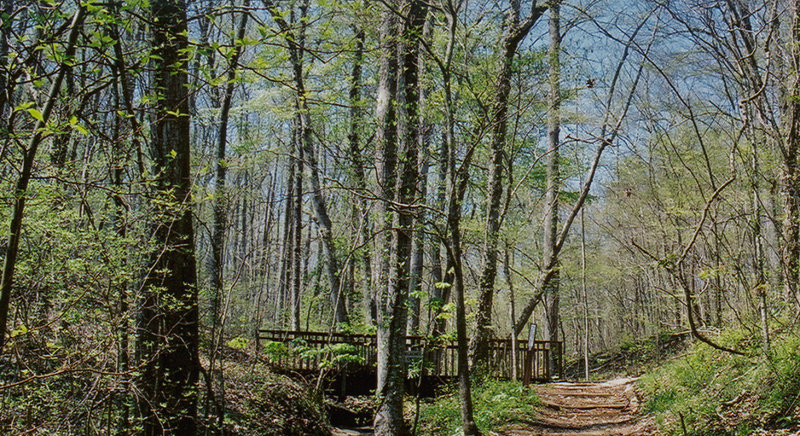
{"points": [[431, 363]]}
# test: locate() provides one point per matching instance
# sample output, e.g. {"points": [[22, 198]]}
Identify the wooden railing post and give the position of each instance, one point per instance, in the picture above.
{"points": [[528, 367], [546, 361]]}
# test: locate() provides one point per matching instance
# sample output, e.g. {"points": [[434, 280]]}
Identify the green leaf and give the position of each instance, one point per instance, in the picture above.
{"points": [[21, 330], [23, 106], [82, 130], [36, 114]]}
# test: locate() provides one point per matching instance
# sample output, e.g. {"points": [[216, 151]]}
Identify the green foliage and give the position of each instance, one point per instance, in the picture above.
{"points": [[333, 355], [275, 350], [496, 403], [238, 343], [714, 392], [329, 356]]}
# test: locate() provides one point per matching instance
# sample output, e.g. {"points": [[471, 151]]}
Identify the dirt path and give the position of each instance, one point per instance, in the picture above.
{"points": [[603, 408]]}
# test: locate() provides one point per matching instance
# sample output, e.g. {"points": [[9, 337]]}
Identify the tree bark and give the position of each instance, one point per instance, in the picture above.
{"points": [[287, 250], [296, 44], [389, 416], [220, 194], [296, 257], [551, 297], [515, 32], [168, 322], [361, 207], [418, 250], [216, 260], [790, 173], [760, 285], [385, 136]]}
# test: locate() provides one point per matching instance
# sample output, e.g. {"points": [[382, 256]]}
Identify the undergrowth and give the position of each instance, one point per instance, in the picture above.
{"points": [[632, 358], [495, 402], [260, 402], [712, 392]]}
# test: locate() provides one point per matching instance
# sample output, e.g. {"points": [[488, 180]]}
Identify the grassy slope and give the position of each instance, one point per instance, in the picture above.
{"points": [[629, 359], [709, 392]]}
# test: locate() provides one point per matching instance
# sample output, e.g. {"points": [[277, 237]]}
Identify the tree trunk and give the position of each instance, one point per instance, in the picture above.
{"points": [[116, 171], [266, 256], [418, 257], [585, 298], [217, 261], [295, 40], [284, 275], [437, 298], [760, 285], [168, 321], [790, 173], [515, 32], [551, 296], [296, 257], [359, 178], [386, 139], [389, 416]]}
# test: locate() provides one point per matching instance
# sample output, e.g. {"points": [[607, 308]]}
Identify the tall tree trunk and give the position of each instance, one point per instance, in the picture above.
{"points": [[423, 139], [168, 321], [116, 172], [551, 297], [790, 173], [5, 80], [437, 298], [297, 237], [284, 276], [451, 238], [418, 256], [760, 285], [386, 139], [359, 178], [512, 306], [266, 255], [515, 32], [216, 260], [608, 134], [447, 173], [389, 416], [464, 385], [585, 298], [295, 40], [454, 267]]}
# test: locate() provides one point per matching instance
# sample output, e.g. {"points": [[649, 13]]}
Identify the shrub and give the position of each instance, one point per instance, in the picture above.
{"points": [[496, 403]]}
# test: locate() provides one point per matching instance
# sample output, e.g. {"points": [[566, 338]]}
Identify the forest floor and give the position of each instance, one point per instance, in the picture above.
{"points": [[594, 408]]}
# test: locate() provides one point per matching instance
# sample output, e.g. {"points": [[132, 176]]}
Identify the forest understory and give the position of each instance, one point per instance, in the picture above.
{"points": [[428, 181]]}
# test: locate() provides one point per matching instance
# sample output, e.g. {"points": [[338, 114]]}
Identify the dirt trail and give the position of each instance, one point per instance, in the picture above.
{"points": [[603, 408]]}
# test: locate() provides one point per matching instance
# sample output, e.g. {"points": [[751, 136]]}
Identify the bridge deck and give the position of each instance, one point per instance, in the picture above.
{"points": [[310, 351]]}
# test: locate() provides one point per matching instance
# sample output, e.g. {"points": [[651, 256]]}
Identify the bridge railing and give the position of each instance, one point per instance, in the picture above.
{"points": [[542, 362]]}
